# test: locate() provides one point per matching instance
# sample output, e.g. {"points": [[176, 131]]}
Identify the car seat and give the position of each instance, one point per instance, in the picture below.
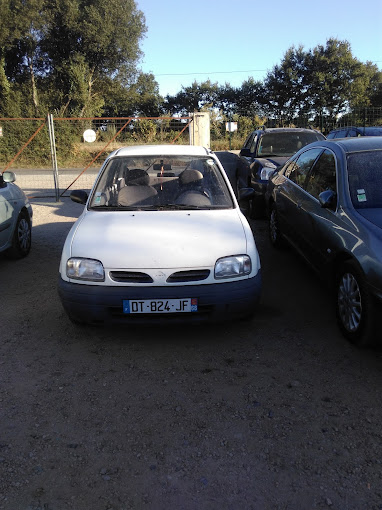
{"points": [[191, 190], [137, 191]]}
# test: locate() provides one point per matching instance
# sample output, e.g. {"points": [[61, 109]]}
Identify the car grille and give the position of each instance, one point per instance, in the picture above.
{"points": [[130, 277], [178, 277], [189, 276]]}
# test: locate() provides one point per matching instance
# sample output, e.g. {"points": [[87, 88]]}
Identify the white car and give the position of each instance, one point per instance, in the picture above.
{"points": [[15, 218], [162, 237]]}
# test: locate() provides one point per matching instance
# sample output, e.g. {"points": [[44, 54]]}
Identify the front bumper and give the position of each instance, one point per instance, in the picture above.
{"points": [[216, 302]]}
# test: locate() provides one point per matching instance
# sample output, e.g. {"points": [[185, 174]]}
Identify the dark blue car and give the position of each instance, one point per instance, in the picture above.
{"points": [[265, 150], [326, 201], [347, 131]]}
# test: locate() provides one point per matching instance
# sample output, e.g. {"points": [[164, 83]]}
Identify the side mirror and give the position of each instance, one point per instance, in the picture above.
{"points": [[79, 196], [245, 152], [9, 176], [328, 199]]}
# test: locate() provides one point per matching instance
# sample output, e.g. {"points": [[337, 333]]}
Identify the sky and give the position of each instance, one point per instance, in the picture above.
{"points": [[229, 41]]}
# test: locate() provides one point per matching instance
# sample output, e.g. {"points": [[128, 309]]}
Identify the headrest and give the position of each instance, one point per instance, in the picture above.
{"points": [[190, 176], [137, 177]]}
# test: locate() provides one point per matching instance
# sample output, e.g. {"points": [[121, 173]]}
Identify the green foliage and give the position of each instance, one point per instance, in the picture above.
{"points": [[18, 135], [145, 131], [63, 50], [326, 78]]}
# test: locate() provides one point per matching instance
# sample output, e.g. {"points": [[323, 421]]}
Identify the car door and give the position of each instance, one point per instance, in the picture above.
{"points": [[290, 195], [6, 213], [248, 150], [318, 224]]}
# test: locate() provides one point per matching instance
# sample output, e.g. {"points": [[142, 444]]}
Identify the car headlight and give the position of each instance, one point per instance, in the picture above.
{"points": [[85, 269], [236, 265], [267, 171]]}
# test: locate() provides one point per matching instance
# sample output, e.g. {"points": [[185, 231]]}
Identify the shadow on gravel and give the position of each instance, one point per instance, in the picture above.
{"points": [[65, 207]]}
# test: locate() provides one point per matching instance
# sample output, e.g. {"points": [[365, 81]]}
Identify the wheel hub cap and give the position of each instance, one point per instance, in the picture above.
{"points": [[349, 302]]}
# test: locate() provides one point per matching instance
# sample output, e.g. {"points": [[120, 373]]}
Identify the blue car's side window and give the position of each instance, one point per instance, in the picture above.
{"points": [[323, 175], [299, 169]]}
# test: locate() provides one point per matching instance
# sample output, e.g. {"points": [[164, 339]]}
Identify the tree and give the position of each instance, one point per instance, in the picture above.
{"points": [[250, 98], [285, 86], [326, 79], [92, 37], [136, 96], [193, 98], [62, 51], [376, 90], [19, 46]]}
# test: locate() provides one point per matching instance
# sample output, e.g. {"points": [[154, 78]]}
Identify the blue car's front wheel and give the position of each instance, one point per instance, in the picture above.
{"points": [[355, 306]]}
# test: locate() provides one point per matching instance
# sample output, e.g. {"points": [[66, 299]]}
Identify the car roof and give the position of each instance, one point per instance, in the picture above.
{"points": [[282, 130], [365, 129], [350, 144], [162, 150]]}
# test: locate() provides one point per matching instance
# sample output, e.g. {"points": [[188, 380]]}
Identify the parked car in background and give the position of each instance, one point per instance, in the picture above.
{"points": [[236, 168], [351, 131], [161, 238], [268, 148], [326, 201], [238, 172], [15, 218]]}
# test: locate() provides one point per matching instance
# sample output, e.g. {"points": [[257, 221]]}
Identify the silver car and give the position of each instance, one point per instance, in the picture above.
{"points": [[15, 218]]}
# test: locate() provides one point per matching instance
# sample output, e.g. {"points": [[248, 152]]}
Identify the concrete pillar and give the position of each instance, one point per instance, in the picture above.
{"points": [[200, 129]]}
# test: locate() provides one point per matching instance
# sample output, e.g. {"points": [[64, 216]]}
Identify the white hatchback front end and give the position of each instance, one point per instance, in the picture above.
{"points": [[161, 238]]}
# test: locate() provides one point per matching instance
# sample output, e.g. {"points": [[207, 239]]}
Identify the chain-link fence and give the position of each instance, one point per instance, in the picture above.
{"points": [[53, 155]]}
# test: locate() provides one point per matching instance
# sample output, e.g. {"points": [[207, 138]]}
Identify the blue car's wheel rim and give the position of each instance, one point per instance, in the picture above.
{"points": [[349, 303], [273, 226]]}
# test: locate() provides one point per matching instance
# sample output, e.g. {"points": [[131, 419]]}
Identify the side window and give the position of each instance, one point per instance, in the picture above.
{"points": [[253, 144], [323, 175], [248, 141], [352, 132], [297, 170]]}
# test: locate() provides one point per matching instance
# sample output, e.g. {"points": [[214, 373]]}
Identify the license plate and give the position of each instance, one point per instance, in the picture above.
{"points": [[160, 305]]}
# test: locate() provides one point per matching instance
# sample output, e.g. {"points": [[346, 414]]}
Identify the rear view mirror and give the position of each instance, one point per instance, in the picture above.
{"points": [[245, 152], [328, 199], [79, 196]]}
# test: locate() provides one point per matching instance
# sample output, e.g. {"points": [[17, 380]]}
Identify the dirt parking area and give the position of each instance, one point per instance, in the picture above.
{"points": [[279, 412]]}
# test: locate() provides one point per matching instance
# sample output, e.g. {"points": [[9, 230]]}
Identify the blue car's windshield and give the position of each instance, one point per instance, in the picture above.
{"points": [[365, 179], [286, 144]]}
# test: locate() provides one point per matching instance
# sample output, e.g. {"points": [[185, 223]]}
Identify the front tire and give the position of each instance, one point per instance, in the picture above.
{"points": [[355, 307], [22, 237]]}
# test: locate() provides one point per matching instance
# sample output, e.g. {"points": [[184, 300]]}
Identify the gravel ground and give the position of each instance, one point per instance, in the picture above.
{"points": [[279, 412]]}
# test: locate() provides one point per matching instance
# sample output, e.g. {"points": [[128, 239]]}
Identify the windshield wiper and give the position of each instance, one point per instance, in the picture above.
{"points": [[125, 207], [182, 207]]}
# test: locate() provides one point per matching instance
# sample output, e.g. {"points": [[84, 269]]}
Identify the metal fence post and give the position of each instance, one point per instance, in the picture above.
{"points": [[54, 156]]}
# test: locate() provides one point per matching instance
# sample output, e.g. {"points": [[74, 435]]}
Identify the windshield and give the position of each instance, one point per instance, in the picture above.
{"points": [[365, 179], [159, 183], [285, 144]]}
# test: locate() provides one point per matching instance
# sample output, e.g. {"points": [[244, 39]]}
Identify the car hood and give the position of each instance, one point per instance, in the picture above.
{"points": [[372, 215], [277, 160], [152, 239]]}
